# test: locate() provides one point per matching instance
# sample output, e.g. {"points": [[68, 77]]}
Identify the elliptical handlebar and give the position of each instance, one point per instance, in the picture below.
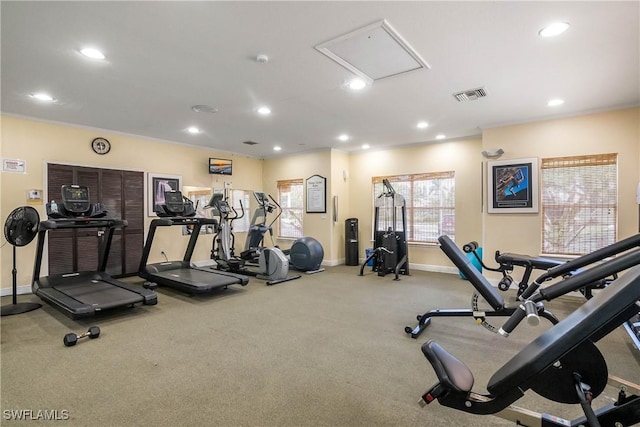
{"points": [[277, 206], [235, 212]]}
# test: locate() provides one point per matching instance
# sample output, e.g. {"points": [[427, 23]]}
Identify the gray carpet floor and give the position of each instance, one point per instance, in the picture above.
{"points": [[326, 350]]}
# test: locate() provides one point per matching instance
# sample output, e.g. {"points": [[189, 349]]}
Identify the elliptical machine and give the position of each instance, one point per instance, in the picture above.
{"points": [[272, 263], [258, 228], [391, 253], [223, 247]]}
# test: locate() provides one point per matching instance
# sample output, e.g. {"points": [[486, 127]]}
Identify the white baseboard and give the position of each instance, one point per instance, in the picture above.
{"points": [[25, 289], [425, 267], [433, 268], [333, 262]]}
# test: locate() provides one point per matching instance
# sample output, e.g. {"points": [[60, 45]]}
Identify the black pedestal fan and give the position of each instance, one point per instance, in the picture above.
{"points": [[19, 230]]}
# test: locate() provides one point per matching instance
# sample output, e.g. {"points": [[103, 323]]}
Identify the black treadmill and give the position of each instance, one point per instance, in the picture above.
{"points": [[181, 275], [85, 293]]}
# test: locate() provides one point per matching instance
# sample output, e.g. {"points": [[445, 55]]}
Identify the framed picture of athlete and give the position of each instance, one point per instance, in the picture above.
{"points": [[512, 186]]}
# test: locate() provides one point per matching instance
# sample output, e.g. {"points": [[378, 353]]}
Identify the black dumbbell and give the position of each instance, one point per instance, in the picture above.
{"points": [[71, 339]]}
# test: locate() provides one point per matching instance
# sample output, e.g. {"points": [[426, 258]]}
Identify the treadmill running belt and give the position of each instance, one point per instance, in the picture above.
{"points": [[99, 294], [192, 280]]}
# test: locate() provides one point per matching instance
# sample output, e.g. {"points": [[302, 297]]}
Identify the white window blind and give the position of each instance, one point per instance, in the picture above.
{"points": [[579, 203], [290, 197]]}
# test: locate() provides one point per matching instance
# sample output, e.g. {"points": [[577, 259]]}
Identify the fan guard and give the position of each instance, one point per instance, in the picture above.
{"points": [[20, 228]]}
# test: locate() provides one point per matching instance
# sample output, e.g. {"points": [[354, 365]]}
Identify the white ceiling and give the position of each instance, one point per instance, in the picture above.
{"points": [[164, 57]]}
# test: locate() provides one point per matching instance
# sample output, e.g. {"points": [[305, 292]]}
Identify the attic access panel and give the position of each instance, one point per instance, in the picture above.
{"points": [[373, 52]]}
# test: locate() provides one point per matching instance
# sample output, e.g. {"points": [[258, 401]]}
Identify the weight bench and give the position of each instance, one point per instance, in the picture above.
{"points": [[576, 278], [563, 364]]}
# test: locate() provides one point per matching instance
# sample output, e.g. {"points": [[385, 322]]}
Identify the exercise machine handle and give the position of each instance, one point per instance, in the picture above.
{"points": [[513, 321], [530, 290], [531, 311]]}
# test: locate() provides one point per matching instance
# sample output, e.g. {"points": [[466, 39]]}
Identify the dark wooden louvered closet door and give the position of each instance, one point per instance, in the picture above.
{"points": [[122, 194], [61, 243]]}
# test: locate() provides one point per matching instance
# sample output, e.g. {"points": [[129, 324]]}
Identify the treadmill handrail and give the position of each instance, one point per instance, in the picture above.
{"points": [[197, 223], [183, 220], [109, 224], [64, 223]]}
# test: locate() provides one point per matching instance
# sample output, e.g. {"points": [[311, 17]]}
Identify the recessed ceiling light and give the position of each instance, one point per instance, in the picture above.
{"points": [[365, 146], [277, 148], [441, 136], [193, 130], [555, 102], [90, 52], [42, 97], [264, 111], [422, 125], [554, 29], [344, 137], [357, 84]]}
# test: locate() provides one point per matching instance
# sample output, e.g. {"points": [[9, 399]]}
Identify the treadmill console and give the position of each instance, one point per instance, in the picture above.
{"points": [[75, 199], [175, 205], [75, 203]]}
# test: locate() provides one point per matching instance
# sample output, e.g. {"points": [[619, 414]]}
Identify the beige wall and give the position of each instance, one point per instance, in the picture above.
{"points": [[340, 178], [609, 132], [316, 225], [615, 131], [40, 143]]}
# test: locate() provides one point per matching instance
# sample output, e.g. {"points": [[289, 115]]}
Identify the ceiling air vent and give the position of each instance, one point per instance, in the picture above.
{"points": [[250, 143], [471, 95]]}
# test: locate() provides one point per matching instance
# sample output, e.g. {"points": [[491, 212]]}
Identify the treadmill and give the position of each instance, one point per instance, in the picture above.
{"points": [[85, 293], [181, 275]]}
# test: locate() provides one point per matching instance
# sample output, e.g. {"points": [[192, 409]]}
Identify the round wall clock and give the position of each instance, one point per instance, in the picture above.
{"points": [[101, 145]]}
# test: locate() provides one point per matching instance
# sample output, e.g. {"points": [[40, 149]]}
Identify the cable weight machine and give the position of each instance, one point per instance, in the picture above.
{"points": [[391, 252]]}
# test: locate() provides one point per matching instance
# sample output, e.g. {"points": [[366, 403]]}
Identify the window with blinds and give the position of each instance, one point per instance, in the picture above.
{"points": [[430, 205], [290, 197], [579, 203]]}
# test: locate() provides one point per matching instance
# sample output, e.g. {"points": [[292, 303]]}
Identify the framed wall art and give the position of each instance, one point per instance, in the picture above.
{"points": [[158, 184], [512, 186]]}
